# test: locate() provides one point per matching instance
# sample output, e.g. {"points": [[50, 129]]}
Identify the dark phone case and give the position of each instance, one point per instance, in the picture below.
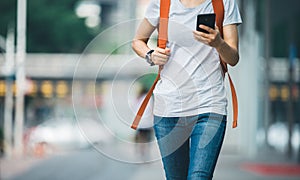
{"points": [[207, 20]]}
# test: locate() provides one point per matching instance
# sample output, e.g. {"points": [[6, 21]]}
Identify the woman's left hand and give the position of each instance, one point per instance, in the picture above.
{"points": [[212, 38]]}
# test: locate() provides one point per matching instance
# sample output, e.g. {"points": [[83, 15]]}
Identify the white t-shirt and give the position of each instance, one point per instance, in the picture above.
{"points": [[191, 82]]}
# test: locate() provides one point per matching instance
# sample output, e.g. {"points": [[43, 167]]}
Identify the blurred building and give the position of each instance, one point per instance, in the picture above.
{"points": [[267, 77]]}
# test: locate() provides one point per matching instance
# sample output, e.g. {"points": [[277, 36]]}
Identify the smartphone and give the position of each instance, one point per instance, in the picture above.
{"points": [[207, 20]]}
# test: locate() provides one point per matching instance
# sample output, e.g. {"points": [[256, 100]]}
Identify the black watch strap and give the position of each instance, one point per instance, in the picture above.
{"points": [[148, 57]]}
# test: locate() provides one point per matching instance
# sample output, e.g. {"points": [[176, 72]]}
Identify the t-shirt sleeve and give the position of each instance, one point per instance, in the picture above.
{"points": [[152, 12], [232, 13]]}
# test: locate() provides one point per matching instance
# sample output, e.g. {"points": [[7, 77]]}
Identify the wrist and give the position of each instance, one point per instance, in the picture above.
{"points": [[148, 57], [220, 45]]}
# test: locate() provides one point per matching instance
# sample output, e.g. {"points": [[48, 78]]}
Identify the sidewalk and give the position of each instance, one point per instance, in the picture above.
{"points": [[15, 166]]}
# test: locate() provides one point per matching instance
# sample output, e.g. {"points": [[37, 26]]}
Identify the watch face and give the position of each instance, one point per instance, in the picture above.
{"points": [[148, 57]]}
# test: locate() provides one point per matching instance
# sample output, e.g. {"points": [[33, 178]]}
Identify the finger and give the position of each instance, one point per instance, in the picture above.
{"points": [[160, 50], [163, 57], [167, 51], [160, 61], [208, 29], [161, 54], [201, 34], [196, 32], [159, 58], [197, 36]]}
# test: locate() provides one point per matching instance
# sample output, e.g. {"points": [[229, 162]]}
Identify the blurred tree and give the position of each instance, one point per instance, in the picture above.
{"points": [[7, 14], [285, 28], [147, 80], [52, 26]]}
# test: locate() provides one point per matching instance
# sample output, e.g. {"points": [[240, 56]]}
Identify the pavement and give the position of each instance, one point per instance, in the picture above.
{"points": [[234, 167], [88, 164], [10, 167]]}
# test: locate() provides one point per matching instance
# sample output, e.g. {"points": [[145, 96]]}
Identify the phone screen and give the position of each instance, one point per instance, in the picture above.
{"points": [[207, 20]]}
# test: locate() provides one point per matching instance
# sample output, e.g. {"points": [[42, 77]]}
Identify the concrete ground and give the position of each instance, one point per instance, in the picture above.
{"points": [[88, 164]]}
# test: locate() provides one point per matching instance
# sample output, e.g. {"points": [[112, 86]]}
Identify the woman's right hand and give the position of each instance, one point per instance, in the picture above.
{"points": [[160, 56]]}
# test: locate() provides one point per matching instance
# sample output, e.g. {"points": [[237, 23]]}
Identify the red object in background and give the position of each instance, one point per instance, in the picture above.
{"points": [[273, 169], [92, 101]]}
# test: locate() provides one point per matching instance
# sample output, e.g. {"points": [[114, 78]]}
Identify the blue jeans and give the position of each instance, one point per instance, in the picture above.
{"points": [[190, 146]]}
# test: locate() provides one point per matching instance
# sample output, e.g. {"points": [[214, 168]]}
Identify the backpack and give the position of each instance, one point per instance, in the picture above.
{"points": [[218, 7]]}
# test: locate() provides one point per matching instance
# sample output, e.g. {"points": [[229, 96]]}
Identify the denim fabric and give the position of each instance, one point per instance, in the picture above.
{"points": [[190, 146]]}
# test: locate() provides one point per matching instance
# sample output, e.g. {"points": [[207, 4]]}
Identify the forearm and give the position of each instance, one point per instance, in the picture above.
{"points": [[227, 47], [228, 54], [139, 43], [140, 47]]}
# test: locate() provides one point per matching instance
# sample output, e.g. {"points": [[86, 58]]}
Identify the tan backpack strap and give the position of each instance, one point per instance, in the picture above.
{"points": [[219, 11], [162, 43]]}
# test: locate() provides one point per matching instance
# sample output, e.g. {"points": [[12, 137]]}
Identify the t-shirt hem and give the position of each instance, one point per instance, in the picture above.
{"points": [[230, 23], [192, 113], [152, 21]]}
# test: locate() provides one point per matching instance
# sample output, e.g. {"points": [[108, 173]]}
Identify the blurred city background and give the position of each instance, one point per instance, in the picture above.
{"points": [[69, 81]]}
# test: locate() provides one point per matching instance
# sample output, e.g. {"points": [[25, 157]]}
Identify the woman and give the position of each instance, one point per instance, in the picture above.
{"points": [[190, 99]]}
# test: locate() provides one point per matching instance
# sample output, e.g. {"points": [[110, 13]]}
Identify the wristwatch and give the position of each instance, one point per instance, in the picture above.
{"points": [[148, 57]]}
